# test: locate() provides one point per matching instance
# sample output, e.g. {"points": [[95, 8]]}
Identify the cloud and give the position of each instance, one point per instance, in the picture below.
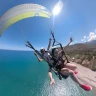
{"points": [[84, 37], [92, 36], [71, 43]]}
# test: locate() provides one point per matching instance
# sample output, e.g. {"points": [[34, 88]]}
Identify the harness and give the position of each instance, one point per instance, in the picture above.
{"points": [[61, 48], [57, 72], [43, 57], [60, 58]]}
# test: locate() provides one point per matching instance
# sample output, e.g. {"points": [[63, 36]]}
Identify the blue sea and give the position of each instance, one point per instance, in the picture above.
{"points": [[22, 75]]}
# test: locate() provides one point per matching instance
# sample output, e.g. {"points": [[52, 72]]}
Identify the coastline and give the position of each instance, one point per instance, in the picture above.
{"points": [[86, 75]]}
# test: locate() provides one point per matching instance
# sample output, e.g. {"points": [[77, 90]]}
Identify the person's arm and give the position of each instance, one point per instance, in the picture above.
{"points": [[39, 59], [60, 52], [68, 43], [49, 44], [50, 76]]}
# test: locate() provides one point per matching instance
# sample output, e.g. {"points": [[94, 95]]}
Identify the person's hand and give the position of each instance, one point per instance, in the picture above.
{"points": [[52, 82], [71, 39]]}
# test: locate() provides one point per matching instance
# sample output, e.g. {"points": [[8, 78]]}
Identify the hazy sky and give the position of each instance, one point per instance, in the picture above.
{"points": [[77, 19]]}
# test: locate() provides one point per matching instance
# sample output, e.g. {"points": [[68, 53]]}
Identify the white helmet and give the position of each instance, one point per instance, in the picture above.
{"points": [[41, 49], [54, 47]]}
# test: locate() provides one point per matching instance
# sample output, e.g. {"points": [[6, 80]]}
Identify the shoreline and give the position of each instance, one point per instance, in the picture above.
{"points": [[86, 75]]}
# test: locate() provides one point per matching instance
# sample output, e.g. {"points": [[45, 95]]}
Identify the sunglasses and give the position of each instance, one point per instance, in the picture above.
{"points": [[42, 50]]}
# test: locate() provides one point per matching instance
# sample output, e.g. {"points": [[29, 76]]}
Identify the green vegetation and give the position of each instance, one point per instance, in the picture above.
{"points": [[84, 54]]}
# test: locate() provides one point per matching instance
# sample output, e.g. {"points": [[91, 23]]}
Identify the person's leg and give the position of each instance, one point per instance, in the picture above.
{"points": [[70, 66], [51, 78], [66, 71]]}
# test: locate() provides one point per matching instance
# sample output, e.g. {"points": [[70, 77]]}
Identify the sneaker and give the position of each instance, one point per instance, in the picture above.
{"points": [[86, 87], [76, 72]]}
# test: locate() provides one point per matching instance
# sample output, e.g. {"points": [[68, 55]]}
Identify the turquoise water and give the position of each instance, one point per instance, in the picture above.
{"points": [[22, 75]]}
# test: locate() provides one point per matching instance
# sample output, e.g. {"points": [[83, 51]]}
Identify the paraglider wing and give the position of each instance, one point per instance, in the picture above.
{"points": [[20, 12]]}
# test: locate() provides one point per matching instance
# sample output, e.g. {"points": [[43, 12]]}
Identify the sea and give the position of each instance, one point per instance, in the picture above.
{"points": [[22, 75]]}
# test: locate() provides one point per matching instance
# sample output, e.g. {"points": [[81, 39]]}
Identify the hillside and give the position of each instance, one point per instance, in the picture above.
{"points": [[83, 53]]}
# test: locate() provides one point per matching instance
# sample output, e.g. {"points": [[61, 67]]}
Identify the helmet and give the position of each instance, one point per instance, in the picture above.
{"points": [[54, 47], [42, 49]]}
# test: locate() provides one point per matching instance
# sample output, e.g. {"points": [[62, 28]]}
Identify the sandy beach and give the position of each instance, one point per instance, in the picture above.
{"points": [[86, 75]]}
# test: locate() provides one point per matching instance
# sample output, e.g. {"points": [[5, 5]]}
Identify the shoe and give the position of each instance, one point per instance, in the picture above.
{"points": [[76, 72], [86, 87]]}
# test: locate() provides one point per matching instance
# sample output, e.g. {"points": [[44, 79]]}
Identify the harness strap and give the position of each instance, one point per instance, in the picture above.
{"points": [[56, 72], [54, 40]]}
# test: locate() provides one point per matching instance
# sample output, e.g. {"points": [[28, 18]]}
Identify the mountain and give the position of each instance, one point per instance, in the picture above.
{"points": [[83, 53], [91, 42], [82, 47]]}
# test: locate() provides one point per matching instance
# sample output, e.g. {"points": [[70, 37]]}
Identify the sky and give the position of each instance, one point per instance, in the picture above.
{"points": [[77, 19]]}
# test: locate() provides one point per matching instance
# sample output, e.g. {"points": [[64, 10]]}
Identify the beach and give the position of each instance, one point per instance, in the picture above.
{"points": [[86, 75]]}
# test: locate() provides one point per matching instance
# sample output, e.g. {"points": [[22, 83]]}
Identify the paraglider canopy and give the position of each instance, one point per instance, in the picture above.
{"points": [[20, 12]]}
